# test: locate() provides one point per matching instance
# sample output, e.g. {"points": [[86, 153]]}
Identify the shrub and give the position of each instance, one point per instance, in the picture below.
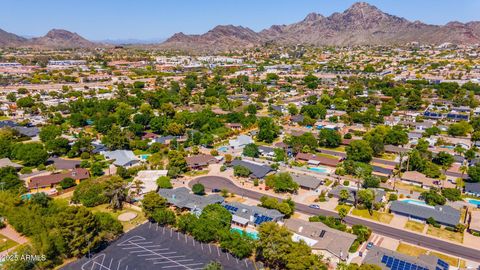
{"points": [[67, 183], [198, 189], [164, 182], [346, 183], [393, 197], [85, 155]]}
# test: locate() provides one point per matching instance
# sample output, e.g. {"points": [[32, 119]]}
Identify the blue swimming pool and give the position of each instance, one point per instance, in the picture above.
{"points": [[223, 149], [448, 146], [415, 202], [253, 235], [474, 202], [145, 156], [319, 169]]}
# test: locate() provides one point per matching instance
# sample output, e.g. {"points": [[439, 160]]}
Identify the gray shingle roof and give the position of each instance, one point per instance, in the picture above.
{"points": [[379, 193], [375, 255], [334, 241], [182, 198], [121, 157], [247, 211], [258, 170], [307, 181], [443, 214]]}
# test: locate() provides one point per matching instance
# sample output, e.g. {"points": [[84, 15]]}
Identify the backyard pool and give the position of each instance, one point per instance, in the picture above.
{"points": [[417, 202], [223, 149], [319, 169], [474, 202], [253, 235], [144, 156]]}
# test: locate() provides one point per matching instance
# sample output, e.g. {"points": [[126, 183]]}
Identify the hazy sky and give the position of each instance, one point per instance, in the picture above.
{"points": [[152, 19]]}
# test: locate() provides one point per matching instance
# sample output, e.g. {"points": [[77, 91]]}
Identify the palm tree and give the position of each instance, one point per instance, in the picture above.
{"points": [[115, 190], [137, 187]]}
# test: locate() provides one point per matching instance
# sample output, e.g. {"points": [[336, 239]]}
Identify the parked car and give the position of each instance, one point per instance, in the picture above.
{"points": [[215, 190], [369, 245], [314, 206]]}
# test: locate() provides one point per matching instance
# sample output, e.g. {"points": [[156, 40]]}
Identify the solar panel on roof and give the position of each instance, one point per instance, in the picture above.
{"points": [[384, 259]]}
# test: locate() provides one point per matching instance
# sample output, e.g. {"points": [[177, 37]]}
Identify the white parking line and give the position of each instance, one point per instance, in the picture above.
{"points": [[192, 264]]}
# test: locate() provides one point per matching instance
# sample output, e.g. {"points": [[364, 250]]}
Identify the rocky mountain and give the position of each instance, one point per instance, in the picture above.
{"points": [[361, 24], [9, 39], [58, 38], [55, 38], [222, 37]]}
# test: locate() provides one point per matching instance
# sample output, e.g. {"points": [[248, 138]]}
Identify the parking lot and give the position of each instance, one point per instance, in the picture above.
{"points": [[154, 247]]}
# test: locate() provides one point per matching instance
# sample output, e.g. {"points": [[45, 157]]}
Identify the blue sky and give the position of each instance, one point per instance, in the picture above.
{"points": [[153, 19]]}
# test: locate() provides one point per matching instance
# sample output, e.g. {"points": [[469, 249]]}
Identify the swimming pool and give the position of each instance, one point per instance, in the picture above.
{"points": [[223, 149], [448, 146], [253, 235], [417, 202], [144, 156], [474, 202], [319, 169]]}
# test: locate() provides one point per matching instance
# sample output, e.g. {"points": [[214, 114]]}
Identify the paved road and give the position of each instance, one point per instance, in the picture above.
{"points": [[218, 182]]}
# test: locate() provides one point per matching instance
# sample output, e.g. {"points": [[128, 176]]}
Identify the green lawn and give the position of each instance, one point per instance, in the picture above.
{"points": [[348, 207], [442, 233], [414, 226], [126, 225], [6, 243], [341, 148], [401, 185], [377, 216], [197, 173], [3, 118], [388, 156]]}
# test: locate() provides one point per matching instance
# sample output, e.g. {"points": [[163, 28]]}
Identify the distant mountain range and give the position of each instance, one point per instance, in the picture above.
{"points": [[55, 38], [361, 24]]}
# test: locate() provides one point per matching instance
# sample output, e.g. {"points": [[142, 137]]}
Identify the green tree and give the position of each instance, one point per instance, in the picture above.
{"points": [[49, 133], [198, 189], [329, 138], [241, 171], [268, 131], [164, 182], [151, 202], [281, 182], [32, 154], [360, 151], [251, 150]]}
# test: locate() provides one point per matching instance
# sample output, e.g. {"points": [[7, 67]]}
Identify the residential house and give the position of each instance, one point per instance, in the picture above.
{"points": [[335, 192], [474, 222], [182, 198], [443, 214], [234, 126], [64, 164], [240, 141], [391, 260], [421, 180], [265, 151], [258, 170], [47, 183], [472, 189], [317, 160], [244, 215], [332, 244], [200, 161], [307, 182], [122, 158]]}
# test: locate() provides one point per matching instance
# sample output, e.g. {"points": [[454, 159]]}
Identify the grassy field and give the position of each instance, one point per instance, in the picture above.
{"points": [[414, 226], [197, 173], [411, 250], [377, 216], [128, 225], [341, 148], [6, 243], [388, 156], [326, 155], [448, 235]]}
